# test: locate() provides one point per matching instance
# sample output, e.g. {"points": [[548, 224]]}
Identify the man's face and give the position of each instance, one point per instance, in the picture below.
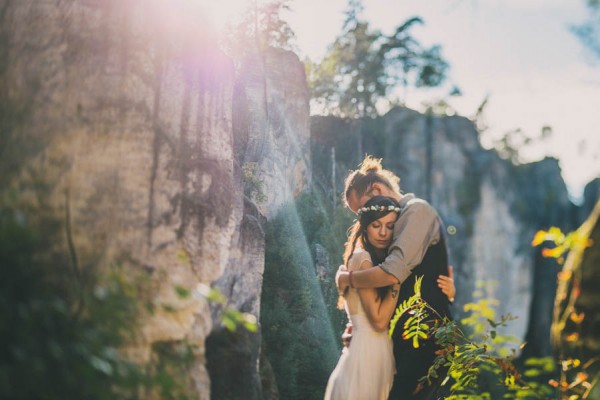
{"points": [[355, 202]]}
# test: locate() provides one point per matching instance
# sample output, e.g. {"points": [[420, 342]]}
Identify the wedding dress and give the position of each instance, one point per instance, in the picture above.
{"points": [[365, 370]]}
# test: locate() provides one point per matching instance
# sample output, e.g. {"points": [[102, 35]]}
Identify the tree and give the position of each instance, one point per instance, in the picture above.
{"points": [[272, 29], [261, 27], [510, 145], [589, 32], [364, 65]]}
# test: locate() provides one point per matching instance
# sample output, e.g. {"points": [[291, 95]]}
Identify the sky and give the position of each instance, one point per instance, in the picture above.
{"points": [[520, 53]]}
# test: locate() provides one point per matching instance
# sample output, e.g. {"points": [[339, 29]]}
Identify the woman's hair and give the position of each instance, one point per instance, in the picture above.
{"points": [[369, 172], [357, 233]]}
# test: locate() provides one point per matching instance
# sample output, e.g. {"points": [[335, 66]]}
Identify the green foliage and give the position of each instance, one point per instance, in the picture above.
{"points": [[62, 335], [231, 317], [412, 327], [57, 343], [326, 226], [261, 27], [571, 327], [468, 358], [273, 30], [510, 145], [479, 364], [362, 66], [415, 329], [254, 187], [169, 371], [563, 243], [299, 338]]}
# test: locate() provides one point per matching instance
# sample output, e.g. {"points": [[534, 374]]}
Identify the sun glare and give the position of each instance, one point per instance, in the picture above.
{"points": [[224, 12]]}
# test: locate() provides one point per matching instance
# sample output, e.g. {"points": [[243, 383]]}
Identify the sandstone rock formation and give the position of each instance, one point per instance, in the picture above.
{"points": [[271, 136], [123, 122], [490, 207], [119, 115], [117, 121]]}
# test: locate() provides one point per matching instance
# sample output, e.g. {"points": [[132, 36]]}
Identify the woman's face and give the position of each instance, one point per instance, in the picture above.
{"points": [[379, 232]]}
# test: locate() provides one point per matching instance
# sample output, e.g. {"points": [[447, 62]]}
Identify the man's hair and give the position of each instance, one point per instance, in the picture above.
{"points": [[369, 172]]}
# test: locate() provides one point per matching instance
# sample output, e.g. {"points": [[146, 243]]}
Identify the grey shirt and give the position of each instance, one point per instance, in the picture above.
{"points": [[416, 229]]}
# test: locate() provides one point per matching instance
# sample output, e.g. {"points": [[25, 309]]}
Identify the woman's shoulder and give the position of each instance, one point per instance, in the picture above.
{"points": [[358, 258]]}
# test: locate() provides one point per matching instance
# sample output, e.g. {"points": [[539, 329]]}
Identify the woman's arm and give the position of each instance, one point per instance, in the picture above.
{"points": [[379, 311]]}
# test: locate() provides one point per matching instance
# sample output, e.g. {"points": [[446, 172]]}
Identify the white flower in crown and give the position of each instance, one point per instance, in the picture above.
{"points": [[378, 208]]}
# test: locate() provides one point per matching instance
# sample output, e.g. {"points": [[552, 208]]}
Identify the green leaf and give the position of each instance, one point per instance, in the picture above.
{"points": [[251, 327], [101, 365], [532, 372], [229, 323], [182, 292], [183, 257]]}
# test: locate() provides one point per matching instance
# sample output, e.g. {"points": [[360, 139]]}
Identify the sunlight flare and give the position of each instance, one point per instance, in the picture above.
{"points": [[224, 12]]}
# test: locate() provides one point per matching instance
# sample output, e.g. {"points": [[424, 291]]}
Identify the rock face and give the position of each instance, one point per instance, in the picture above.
{"points": [[271, 130], [123, 122], [441, 160], [490, 207], [541, 201], [271, 125], [119, 115], [591, 193]]}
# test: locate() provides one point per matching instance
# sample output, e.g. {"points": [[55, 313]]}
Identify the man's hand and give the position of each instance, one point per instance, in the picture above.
{"points": [[347, 335], [341, 279]]}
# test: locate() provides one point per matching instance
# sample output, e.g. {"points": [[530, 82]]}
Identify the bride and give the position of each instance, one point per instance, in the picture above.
{"points": [[365, 370]]}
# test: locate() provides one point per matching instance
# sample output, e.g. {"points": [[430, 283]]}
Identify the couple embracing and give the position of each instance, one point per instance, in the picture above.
{"points": [[396, 238]]}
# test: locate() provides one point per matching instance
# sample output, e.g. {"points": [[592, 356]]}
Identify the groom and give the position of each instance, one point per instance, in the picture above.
{"points": [[418, 249]]}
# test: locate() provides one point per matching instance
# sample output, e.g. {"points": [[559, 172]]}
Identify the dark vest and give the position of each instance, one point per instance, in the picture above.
{"points": [[435, 263]]}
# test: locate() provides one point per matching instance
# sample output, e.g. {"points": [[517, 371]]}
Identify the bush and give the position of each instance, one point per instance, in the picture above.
{"points": [[62, 329], [300, 325]]}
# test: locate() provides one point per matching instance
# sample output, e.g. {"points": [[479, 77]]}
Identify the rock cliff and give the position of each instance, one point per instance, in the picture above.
{"points": [[491, 208], [123, 122], [271, 136], [119, 115]]}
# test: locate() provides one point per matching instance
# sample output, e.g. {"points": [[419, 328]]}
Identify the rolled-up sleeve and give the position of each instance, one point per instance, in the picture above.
{"points": [[416, 229]]}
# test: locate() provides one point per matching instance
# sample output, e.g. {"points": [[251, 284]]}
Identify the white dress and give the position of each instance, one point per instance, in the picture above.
{"points": [[365, 370]]}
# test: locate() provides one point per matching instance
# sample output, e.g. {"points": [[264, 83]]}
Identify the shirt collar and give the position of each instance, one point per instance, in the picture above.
{"points": [[405, 199]]}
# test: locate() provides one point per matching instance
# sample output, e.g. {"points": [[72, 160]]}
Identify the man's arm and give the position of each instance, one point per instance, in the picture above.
{"points": [[370, 278], [414, 231]]}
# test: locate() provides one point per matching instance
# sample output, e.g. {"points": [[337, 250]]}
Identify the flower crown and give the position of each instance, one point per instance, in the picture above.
{"points": [[363, 210]]}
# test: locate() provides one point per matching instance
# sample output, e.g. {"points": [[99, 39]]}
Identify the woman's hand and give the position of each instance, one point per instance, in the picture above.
{"points": [[446, 283], [347, 335]]}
